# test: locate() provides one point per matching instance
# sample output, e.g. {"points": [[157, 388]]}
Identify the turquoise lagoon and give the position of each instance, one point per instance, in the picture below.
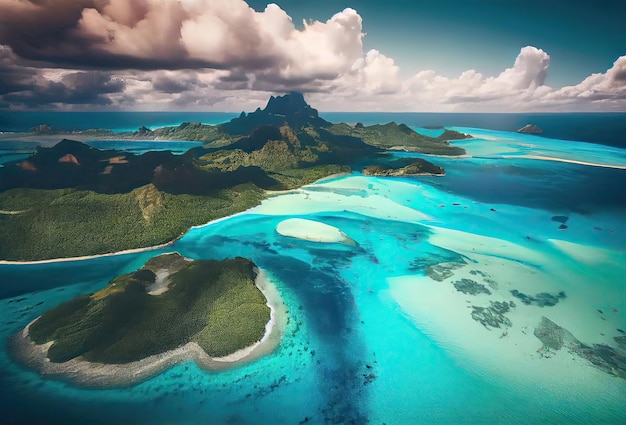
{"points": [[371, 338]]}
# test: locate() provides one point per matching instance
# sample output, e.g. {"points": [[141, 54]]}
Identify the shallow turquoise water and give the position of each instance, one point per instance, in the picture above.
{"points": [[351, 354]]}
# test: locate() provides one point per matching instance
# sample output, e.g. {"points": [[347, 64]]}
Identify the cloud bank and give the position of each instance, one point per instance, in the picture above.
{"points": [[224, 55]]}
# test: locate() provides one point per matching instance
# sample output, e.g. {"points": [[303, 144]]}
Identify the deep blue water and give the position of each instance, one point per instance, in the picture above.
{"points": [[604, 128], [359, 348], [116, 121]]}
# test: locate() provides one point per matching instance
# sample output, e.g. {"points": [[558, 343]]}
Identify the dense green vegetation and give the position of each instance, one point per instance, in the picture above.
{"points": [[403, 167], [97, 201], [214, 303], [70, 222], [392, 135], [214, 135]]}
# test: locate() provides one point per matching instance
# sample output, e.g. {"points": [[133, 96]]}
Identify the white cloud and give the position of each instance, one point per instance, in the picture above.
{"points": [[530, 70], [226, 34], [605, 91], [197, 53]]}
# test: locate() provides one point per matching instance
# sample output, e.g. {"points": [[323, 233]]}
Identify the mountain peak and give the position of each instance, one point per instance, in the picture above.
{"points": [[290, 109], [287, 104]]}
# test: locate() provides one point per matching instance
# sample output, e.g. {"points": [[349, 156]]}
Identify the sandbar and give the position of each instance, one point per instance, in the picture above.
{"points": [[98, 375], [311, 230], [569, 161]]}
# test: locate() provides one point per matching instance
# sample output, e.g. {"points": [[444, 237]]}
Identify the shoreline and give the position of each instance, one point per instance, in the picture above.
{"points": [[89, 257], [123, 252], [269, 194], [98, 375], [568, 161]]}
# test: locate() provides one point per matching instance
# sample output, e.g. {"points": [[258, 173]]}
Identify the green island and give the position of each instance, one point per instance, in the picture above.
{"points": [[404, 167], [73, 200], [169, 302]]}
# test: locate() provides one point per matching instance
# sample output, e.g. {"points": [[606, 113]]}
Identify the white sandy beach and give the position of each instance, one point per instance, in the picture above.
{"points": [[84, 373], [311, 230], [90, 257], [570, 161]]}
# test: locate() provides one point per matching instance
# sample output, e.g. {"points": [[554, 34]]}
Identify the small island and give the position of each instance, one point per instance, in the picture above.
{"points": [[219, 313], [530, 129], [405, 167]]}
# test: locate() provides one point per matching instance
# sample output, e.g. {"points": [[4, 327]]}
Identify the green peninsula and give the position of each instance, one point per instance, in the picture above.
{"points": [[168, 303], [72, 200]]}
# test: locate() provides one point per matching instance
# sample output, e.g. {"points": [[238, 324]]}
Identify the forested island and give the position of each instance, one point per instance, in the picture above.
{"points": [[73, 200], [171, 303]]}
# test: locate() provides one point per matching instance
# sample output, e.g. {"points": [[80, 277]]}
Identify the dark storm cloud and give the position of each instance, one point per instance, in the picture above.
{"points": [[79, 88], [166, 84], [124, 34], [13, 77], [39, 30], [190, 99]]}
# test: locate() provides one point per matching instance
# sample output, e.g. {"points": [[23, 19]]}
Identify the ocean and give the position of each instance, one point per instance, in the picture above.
{"points": [[602, 128], [371, 337]]}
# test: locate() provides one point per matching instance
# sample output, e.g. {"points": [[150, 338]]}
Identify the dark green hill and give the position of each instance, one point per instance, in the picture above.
{"points": [[73, 200], [400, 136], [213, 303], [71, 164], [292, 111]]}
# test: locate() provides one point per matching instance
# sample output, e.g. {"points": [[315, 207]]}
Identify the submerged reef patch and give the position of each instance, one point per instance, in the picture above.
{"points": [[542, 299]]}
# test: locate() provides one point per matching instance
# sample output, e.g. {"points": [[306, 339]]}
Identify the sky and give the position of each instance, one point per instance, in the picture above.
{"points": [[344, 55]]}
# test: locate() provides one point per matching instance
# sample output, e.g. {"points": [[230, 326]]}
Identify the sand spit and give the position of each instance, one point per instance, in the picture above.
{"points": [[569, 161]]}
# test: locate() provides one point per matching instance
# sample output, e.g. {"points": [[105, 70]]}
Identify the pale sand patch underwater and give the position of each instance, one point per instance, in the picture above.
{"points": [[87, 374], [510, 350], [355, 194]]}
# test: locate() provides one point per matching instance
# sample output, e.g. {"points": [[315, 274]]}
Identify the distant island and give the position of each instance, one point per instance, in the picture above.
{"points": [[219, 313], [530, 129], [404, 167], [73, 200]]}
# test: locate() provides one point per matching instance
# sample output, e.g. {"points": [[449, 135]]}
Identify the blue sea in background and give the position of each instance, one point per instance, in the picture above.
{"points": [[359, 347], [115, 121], [603, 128]]}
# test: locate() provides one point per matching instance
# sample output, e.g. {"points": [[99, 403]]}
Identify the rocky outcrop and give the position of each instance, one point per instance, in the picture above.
{"points": [[494, 315], [470, 287], [290, 109], [69, 159], [442, 271], [542, 299], [41, 129], [553, 336], [608, 359], [143, 130], [530, 129]]}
